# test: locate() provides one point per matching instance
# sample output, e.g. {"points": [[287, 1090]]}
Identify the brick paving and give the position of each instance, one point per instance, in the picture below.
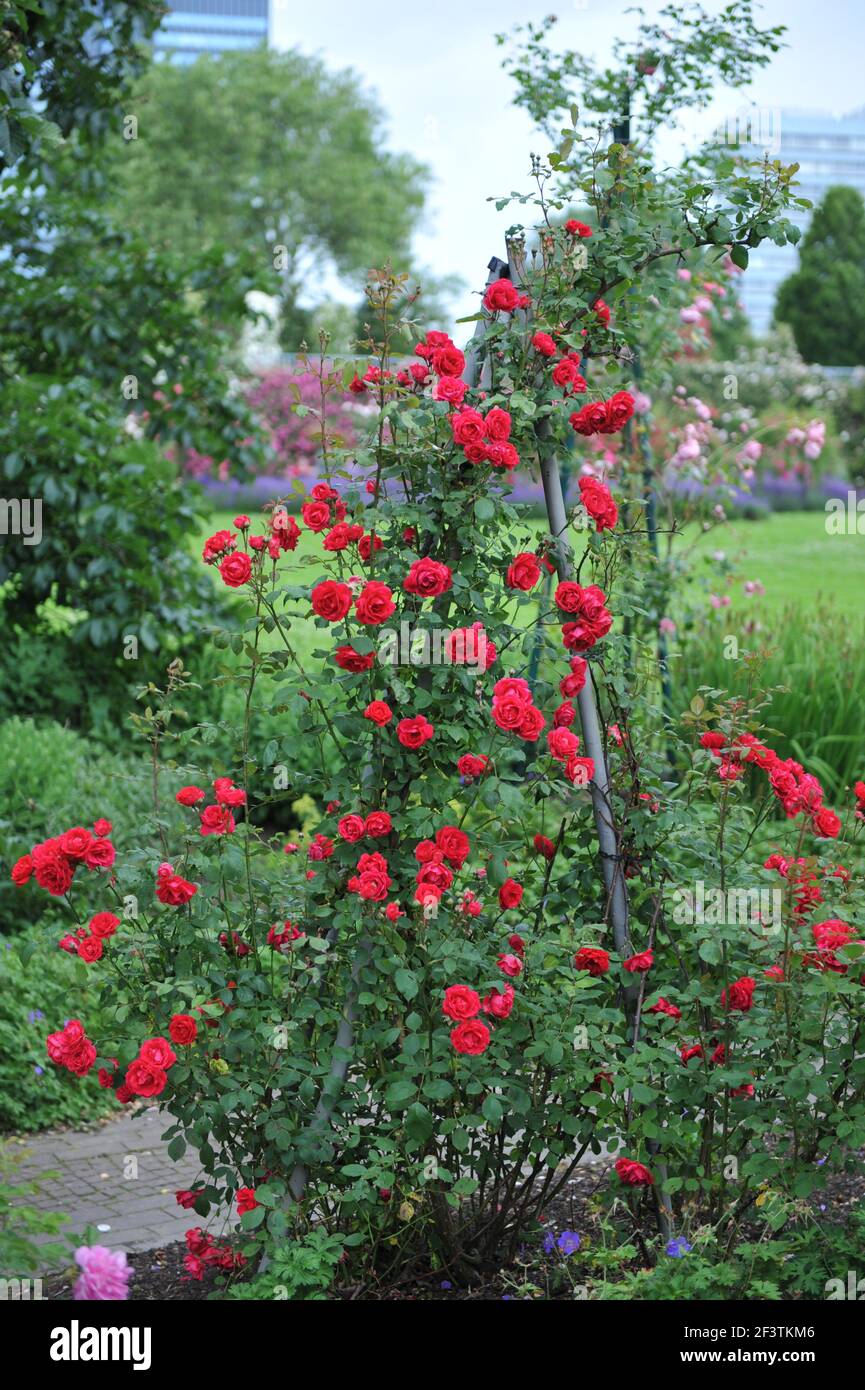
{"points": [[118, 1178]]}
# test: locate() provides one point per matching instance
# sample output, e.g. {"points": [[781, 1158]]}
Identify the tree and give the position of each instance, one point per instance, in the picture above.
{"points": [[269, 151], [66, 67], [824, 300]]}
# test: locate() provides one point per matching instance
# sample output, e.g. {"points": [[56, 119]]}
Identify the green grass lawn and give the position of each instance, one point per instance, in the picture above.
{"points": [[794, 558], [789, 552]]}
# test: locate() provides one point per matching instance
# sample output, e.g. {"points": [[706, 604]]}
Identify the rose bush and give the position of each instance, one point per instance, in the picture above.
{"points": [[412, 1023]]}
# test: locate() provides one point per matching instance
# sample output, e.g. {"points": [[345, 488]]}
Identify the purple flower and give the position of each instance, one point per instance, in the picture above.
{"points": [[105, 1274], [549, 1243], [568, 1242], [677, 1248]]}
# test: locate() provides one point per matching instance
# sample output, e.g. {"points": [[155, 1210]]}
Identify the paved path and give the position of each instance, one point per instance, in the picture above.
{"points": [[117, 1177]]}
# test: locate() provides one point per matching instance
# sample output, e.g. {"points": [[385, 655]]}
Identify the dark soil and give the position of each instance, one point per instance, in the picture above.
{"points": [[159, 1275]]}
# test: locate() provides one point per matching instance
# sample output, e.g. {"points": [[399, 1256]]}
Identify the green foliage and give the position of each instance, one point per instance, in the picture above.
{"points": [[666, 66], [47, 774], [352, 203], [297, 1270], [21, 1221], [824, 300], [33, 1094], [818, 707], [66, 67], [83, 298], [111, 581]]}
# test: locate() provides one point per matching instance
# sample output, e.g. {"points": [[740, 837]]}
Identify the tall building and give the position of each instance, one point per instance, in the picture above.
{"points": [[829, 150], [194, 27]]}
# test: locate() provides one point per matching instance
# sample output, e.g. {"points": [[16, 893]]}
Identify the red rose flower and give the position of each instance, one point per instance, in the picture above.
{"points": [[374, 604], [144, 1079], [316, 515], [454, 845], [22, 870], [471, 1037], [171, 889], [448, 361], [639, 963], [598, 502], [591, 419], [460, 1002], [331, 600], [90, 949], [594, 959], [471, 766], [246, 1200], [544, 846], [501, 295], [76, 842], [351, 828], [663, 1006], [497, 425], [217, 544], [510, 965], [378, 712], [414, 732], [428, 578], [633, 1174], [235, 569], [157, 1052], [350, 660], [101, 854], [104, 924], [467, 427], [378, 823], [510, 894], [216, 820], [543, 343], [183, 1030], [562, 743], [619, 409], [188, 796], [740, 995], [450, 389], [524, 571]]}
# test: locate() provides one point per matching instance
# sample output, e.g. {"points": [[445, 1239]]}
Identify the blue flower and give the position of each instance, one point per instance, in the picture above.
{"points": [[549, 1243], [677, 1248], [568, 1242]]}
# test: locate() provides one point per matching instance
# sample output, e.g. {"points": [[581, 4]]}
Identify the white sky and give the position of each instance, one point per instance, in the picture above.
{"points": [[435, 70]]}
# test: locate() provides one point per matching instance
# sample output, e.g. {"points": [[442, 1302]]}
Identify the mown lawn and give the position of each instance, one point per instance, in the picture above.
{"points": [[790, 553], [794, 558]]}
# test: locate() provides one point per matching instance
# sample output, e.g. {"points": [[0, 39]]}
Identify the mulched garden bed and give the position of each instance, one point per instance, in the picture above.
{"points": [[160, 1275]]}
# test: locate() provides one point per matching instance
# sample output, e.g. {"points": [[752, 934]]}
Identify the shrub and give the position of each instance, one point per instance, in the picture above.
{"points": [[33, 1094], [416, 1029], [48, 772]]}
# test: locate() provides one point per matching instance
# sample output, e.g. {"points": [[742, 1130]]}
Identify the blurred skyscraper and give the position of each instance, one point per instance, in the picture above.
{"points": [[193, 27], [830, 150]]}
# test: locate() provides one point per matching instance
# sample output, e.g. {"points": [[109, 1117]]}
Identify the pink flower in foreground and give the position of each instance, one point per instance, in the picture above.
{"points": [[104, 1276]]}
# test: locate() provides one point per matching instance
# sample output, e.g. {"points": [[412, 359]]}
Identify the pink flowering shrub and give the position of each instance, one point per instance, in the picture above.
{"points": [[294, 405], [414, 1020]]}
